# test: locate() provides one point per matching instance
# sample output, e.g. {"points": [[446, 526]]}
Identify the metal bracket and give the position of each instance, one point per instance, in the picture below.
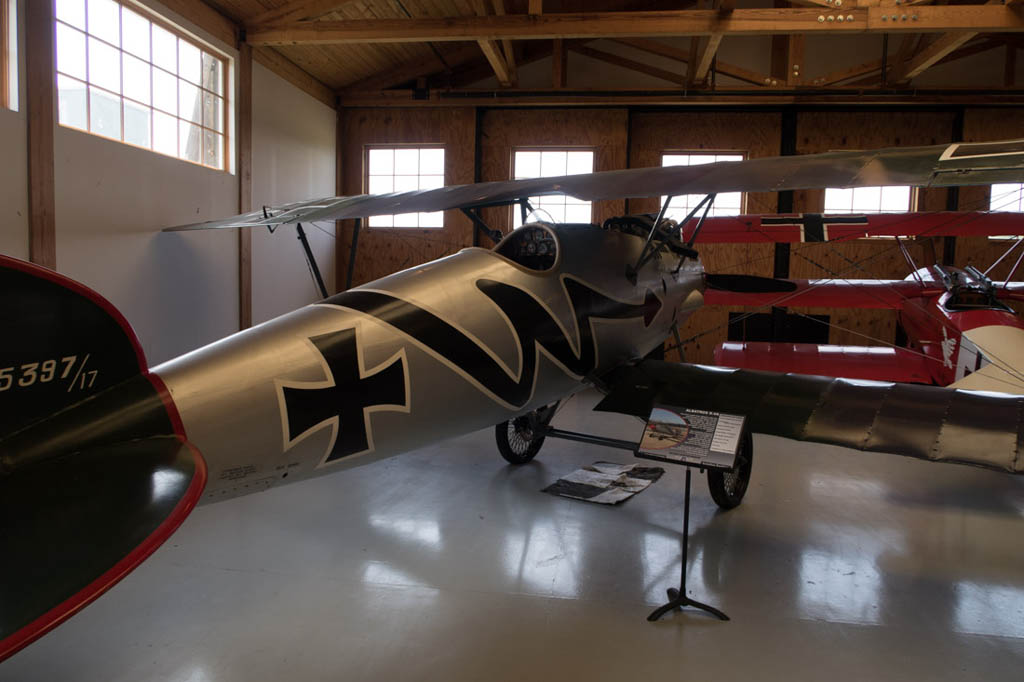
{"points": [[479, 224], [525, 209]]}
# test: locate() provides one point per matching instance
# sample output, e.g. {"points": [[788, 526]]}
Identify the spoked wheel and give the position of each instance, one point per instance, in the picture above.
{"points": [[519, 439], [728, 487]]}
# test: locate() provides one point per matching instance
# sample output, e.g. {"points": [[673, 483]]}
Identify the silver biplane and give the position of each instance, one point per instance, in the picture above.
{"points": [[102, 457]]}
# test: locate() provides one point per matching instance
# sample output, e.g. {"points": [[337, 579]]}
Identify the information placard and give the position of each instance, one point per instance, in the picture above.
{"points": [[694, 437]]}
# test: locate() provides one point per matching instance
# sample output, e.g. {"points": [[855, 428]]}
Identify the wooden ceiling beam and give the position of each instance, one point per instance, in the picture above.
{"points": [[297, 10], [940, 48], [770, 97], [408, 71], [667, 51], [840, 75], [493, 53], [506, 44], [630, 64], [931, 55], [294, 74], [498, 61], [705, 47], [930, 19], [559, 64]]}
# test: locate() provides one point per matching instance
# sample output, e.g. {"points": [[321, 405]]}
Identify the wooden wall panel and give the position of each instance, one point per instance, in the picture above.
{"points": [[504, 130], [822, 131], [981, 125], [757, 134], [382, 251]]}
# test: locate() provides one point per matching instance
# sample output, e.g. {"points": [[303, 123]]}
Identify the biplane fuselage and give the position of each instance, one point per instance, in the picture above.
{"points": [[438, 350]]}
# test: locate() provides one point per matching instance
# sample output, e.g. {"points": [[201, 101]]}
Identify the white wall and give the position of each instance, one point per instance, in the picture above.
{"points": [[178, 290], [293, 151], [13, 175]]}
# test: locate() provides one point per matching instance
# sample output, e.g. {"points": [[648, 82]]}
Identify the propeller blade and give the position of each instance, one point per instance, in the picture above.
{"points": [[749, 284]]}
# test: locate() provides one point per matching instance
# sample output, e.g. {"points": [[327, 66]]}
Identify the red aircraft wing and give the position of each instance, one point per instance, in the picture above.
{"points": [[851, 362], [815, 227]]}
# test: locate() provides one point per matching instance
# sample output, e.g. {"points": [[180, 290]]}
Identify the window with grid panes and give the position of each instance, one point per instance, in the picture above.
{"points": [[726, 203], [894, 199], [128, 76], [404, 169], [546, 163], [1007, 197]]}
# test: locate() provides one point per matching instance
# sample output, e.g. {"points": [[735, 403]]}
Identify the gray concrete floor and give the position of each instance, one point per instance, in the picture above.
{"points": [[446, 564]]}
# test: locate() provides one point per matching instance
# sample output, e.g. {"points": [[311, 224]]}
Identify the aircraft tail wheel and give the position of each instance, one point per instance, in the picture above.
{"points": [[519, 439], [728, 487]]}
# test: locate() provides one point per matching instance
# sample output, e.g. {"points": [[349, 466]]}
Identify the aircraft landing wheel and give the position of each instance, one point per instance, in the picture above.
{"points": [[728, 487], [518, 440]]}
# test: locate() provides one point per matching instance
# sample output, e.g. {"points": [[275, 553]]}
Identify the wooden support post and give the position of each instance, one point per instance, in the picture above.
{"points": [[244, 141], [796, 60], [40, 85], [1010, 67], [558, 64], [535, 7]]}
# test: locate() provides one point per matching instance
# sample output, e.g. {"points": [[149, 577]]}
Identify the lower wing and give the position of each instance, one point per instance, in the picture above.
{"points": [[926, 422]]}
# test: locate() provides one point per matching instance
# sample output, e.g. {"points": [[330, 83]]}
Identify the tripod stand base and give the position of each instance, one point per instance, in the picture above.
{"points": [[679, 601]]}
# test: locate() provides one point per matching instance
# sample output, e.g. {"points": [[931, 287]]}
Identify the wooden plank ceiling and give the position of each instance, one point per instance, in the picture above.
{"points": [[398, 50]]}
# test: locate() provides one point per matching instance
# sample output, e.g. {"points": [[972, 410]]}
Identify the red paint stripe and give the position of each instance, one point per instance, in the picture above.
{"points": [[85, 292], [115, 573]]}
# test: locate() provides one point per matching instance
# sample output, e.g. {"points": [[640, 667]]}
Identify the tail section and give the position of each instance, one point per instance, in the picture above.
{"points": [[95, 471], [60, 343]]}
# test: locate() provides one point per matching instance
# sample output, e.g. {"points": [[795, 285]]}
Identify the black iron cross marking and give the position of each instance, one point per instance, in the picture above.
{"points": [[814, 224], [349, 397]]}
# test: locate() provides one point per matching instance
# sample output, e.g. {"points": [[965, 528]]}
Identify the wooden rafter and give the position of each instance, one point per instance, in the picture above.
{"points": [[938, 49], [417, 68], [297, 10], [662, 50], [294, 74], [559, 64], [506, 44], [704, 48], [841, 75], [630, 64], [931, 19], [502, 70], [671, 96], [931, 55]]}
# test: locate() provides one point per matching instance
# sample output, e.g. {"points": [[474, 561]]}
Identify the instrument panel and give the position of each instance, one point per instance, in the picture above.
{"points": [[531, 246]]}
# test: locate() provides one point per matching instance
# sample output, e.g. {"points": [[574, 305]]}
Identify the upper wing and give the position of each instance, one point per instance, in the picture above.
{"points": [[926, 422], [934, 166]]}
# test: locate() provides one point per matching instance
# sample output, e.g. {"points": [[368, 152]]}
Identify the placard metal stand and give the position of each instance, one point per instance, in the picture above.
{"points": [[678, 598], [693, 438]]}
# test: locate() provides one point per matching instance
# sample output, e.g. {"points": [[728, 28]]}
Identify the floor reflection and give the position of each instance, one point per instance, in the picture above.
{"points": [[838, 588], [986, 609]]}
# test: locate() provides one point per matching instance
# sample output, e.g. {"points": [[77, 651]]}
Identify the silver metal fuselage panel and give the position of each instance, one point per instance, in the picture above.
{"points": [[371, 382]]}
